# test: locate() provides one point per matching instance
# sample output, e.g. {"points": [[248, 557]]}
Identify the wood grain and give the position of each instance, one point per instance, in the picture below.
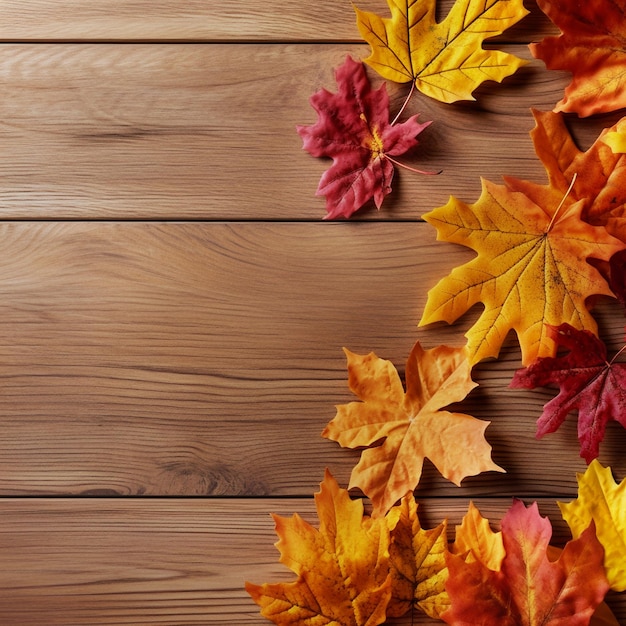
{"points": [[142, 358], [208, 132], [173, 308], [76, 562], [209, 20]]}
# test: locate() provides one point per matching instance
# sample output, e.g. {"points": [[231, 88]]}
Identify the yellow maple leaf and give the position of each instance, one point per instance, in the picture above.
{"points": [[531, 270], [412, 424], [418, 564], [444, 60], [603, 501], [343, 568], [475, 539]]}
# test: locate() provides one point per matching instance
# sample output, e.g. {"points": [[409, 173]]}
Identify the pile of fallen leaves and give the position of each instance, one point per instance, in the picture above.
{"points": [[543, 253]]}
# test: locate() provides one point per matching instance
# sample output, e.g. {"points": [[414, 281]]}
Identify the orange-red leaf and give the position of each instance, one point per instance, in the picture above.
{"points": [[342, 568], [591, 47], [599, 173], [529, 589], [412, 424]]}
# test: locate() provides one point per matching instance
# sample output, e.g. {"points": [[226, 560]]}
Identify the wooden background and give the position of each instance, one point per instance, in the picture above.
{"points": [[173, 307]]}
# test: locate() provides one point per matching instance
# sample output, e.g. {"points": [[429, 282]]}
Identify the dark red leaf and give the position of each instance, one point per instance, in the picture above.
{"points": [[353, 129], [588, 383]]}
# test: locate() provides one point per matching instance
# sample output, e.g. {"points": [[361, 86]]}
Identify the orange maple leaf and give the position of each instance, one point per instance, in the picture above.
{"points": [[599, 172], [531, 269], [418, 564], [411, 424], [475, 541], [343, 568], [444, 60], [529, 589], [591, 47]]}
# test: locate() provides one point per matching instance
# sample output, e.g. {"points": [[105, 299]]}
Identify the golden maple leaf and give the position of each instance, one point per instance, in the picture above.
{"points": [[343, 568], [531, 270], [418, 564], [412, 423], [603, 501], [444, 60]]}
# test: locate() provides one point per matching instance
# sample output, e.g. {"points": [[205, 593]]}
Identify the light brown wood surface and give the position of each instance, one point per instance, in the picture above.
{"points": [[173, 306], [153, 131], [206, 20], [171, 561]]}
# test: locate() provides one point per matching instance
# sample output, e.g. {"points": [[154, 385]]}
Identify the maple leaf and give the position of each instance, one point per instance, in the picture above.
{"points": [[603, 501], [591, 47], [412, 425], [529, 589], [599, 173], [531, 269], [343, 568], [444, 60], [353, 129], [588, 383], [475, 541], [418, 564]]}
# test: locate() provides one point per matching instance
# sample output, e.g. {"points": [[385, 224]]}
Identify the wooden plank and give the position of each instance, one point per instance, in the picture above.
{"points": [[208, 132], [75, 561], [166, 20], [191, 359]]}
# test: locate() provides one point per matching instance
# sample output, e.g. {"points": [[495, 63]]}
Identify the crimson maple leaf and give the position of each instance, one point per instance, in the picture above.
{"points": [[529, 589], [588, 383], [353, 129]]}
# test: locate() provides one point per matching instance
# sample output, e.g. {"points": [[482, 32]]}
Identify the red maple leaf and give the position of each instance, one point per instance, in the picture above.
{"points": [[588, 383], [353, 129], [529, 589]]}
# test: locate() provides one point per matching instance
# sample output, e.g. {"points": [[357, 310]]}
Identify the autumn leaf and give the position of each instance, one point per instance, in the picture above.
{"points": [[342, 568], [475, 541], [591, 47], [444, 60], [529, 589], [602, 500], [588, 382], [353, 129], [418, 564], [599, 173], [411, 424], [531, 269]]}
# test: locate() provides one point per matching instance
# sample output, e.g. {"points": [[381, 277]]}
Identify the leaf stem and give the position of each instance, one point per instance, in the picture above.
{"points": [[616, 355], [406, 101], [569, 189], [412, 169]]}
